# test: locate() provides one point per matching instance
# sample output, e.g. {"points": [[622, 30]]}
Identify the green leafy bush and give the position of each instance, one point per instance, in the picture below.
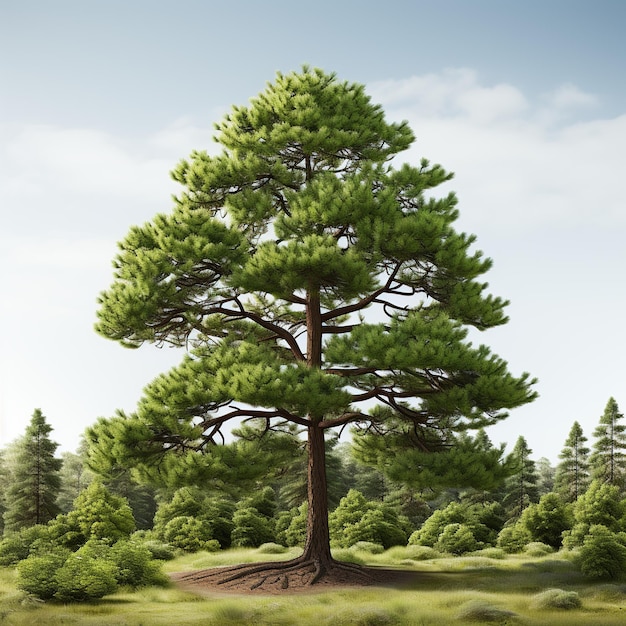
{"points": [[456, 539], [102, 515], [251, 529], [477, 611], [82, 578], [368, 546], [602, 554], [357, 519], [136, 568], [537, 549], [556, 599], [37, 573], [190, 534], [19, 545], [271, 548], [512, 539]]}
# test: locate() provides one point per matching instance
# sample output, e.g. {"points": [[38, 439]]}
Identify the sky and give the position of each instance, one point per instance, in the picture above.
{"points": [[524, 101]]}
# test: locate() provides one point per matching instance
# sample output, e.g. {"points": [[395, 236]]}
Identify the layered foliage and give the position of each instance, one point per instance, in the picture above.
{"points": [[608, 460], [301, 228], [572, 473], [34, 484]]}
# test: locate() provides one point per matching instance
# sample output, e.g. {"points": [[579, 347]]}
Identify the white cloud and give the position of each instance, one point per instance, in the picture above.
{"points": [[518, 164], [568, 96]]}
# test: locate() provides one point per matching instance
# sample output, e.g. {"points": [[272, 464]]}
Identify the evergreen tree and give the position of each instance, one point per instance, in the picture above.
{"points": [[313, 284], [35, 482], [520, 489], [608, 460], [572, 473], [75, 476], [545, 476]]}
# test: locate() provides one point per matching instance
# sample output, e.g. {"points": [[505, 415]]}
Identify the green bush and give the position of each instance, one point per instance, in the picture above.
{"points": [[456, 539], [271, 548], [295, 533], [251, 529], [477, 611], [547, 520], [357, 519], [491, 553], [537, 549], [602, 554], [100, 514], [136, 568], [83, 578], [159, 550], [512, 539], [368, 546], [190, 534], [37, 574], [215, 515], [17, 546], [556, 599]]}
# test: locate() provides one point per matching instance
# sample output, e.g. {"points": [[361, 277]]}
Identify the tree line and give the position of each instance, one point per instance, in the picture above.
{"points": [[366, 504]]}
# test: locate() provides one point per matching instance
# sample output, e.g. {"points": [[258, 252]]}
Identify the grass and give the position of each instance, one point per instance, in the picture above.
{"points": [[475, 589]]}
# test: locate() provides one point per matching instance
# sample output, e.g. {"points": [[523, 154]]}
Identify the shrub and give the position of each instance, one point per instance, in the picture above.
{"points": [[600, 505], [19, 545], [357, 519], [159, 550], [476, 611], [295, 534], [251, 529], [602, 555], [456, 539], [85, 578], [102, 515], [368, 546], [556, 599], [491, 553], [547, 520], [136, 568], [537, 549], [271, 548], [37, 574], [190, 534], [513, 538]]}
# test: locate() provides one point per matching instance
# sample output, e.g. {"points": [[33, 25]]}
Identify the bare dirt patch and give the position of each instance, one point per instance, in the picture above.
{"points": [[281, 578]]}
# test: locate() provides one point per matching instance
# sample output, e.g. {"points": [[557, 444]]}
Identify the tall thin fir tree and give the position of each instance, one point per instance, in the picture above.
{"points": [[520, 488], [35, 480], [572, 472], [608, 459]]}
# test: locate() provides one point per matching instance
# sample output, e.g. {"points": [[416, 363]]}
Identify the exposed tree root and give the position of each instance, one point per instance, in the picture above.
{"points": [[274, 577]]}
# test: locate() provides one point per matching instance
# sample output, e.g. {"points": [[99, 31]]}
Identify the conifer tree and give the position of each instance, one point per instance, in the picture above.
{"points": [[608, 459], [312, 284], [35, 482], [572, 473], [520, 489]]}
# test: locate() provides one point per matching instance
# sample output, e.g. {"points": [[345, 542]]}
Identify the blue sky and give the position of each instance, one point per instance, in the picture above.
{"points": [[524, 101]]}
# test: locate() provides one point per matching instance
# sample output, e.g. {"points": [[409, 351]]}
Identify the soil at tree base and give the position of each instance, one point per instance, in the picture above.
{"points": [[274, 582]]}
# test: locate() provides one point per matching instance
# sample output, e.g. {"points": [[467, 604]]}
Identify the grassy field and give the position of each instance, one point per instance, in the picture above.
{"points": [[472, 589]]}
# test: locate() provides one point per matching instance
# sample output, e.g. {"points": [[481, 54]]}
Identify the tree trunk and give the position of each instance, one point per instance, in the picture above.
{"points": [[317, 546]]}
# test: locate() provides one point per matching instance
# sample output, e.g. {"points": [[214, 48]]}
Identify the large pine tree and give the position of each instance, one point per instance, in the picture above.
{"points": [[608, 459], [34, 475], [572, 472], [314, 285]]}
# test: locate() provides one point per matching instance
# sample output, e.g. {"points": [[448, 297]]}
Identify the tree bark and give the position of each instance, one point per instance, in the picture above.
{"points": [[317, 546]]}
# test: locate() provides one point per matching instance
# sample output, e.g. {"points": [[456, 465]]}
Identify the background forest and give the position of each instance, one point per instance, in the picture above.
{"points": [[57, 508]]}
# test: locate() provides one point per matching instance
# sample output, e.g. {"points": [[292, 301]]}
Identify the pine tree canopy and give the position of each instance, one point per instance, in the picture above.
{"points": [[312, 282]]}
